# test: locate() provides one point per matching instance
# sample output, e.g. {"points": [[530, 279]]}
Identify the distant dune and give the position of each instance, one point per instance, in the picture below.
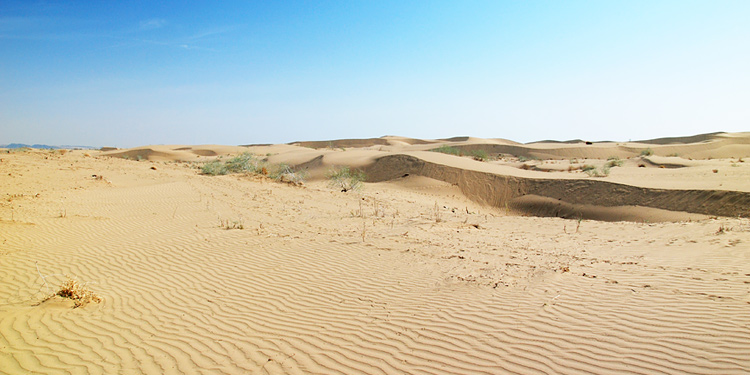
{"points": [[40, 146], [552, 171]]}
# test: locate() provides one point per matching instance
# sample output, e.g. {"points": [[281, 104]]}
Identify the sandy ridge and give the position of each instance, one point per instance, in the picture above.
{"points": [[500, 190]]}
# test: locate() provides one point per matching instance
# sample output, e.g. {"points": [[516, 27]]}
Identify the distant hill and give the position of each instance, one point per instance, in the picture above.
{"points": [[23, 145], [677, 140]]}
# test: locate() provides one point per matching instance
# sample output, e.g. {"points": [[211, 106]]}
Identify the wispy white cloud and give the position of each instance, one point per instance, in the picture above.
{"points": [[48, 29], [211, 32], [194, 41], [153, 23]]}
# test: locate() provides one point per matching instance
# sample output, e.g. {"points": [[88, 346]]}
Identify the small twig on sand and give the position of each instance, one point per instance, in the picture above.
{"points": [[43, 278]]}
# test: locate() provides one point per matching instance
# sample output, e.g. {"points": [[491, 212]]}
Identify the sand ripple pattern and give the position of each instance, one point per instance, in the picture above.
{"points": [[183, 296]]}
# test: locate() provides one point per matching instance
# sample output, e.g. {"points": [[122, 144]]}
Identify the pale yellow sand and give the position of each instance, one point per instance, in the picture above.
{"points": [[409, 275]]}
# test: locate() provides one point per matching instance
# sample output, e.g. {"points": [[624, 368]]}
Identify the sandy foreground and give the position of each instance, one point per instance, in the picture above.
{"points": [[440, 264]]}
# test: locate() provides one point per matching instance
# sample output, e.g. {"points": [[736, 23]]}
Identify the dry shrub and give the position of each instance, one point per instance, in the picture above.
{"points": [[79, 293], [345, 179], [227, 224]]}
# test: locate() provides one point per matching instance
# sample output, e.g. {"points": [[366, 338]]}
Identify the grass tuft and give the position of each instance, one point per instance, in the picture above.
{"points": [[285, 173], [214, 168], [479, 155], [345, 179], [594, 172], [614, 161], [244, 163]]}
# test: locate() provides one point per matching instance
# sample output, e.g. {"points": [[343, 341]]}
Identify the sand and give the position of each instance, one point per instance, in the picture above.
{"points": [[440, 264]]}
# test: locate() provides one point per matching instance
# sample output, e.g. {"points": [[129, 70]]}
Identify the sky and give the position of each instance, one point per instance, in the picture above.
{"points": [[134, 73]]}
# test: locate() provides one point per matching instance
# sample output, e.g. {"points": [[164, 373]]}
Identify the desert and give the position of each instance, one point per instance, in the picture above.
{"points": [[387, 255]]}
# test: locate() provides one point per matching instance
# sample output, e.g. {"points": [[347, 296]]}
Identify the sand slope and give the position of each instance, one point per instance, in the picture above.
{"points": [[410, 275]]}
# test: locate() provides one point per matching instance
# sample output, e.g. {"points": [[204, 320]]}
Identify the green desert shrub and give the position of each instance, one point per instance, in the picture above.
{"points": [[248, 163], [214, 168], [647, 152], [614, 161], [480, 155], [595, 172], [448, 150], [345, 179], [285, 173], [245, 162]]}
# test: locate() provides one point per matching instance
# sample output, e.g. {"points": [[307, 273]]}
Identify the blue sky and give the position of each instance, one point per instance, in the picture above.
{"points": [[136, 73]]}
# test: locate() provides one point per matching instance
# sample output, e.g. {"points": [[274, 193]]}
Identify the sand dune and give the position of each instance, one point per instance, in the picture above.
{"points": [[427, 269], [496, 184]]}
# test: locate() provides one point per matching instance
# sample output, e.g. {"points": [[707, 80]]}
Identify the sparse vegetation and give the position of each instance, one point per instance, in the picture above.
{"points": [[345, 179], [360, 213], [588, 167], [594, 172], [17, 150], [243, 163], [248, 163], [79, 293], [614, 161], [214, 168], [285, 173], [647, 152], [70, 288], [448, 150], [231, 224], [479, 155]]}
